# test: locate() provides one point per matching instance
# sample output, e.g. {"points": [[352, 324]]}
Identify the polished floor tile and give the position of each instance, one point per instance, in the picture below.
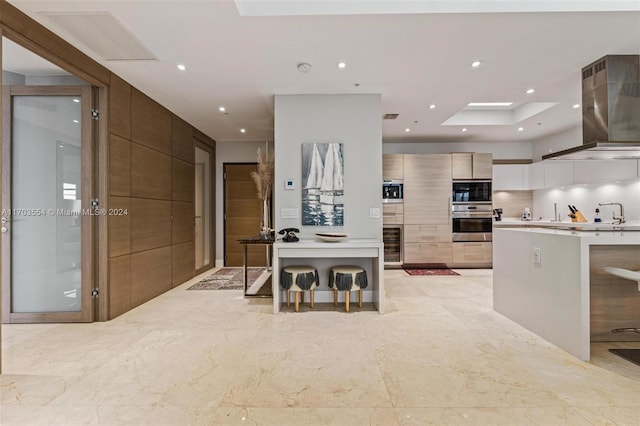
{"points": [[440, 355]]}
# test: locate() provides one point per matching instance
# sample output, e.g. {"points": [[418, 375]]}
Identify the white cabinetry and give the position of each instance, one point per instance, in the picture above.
{"points": [[558, 173], [604, 171], [510, 177]]}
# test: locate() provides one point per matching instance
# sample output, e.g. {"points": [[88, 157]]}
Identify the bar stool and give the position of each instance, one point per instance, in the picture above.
{"points": [[347, 278], [299, 278]]}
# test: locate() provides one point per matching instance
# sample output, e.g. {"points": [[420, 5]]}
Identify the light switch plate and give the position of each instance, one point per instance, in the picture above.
{"points": [[289, 213], [537, 256], [289, 184], [374, 212]]}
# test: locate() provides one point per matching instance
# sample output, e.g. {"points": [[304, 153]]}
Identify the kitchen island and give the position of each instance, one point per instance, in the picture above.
{"points": [[367, 253], [552, 282]]}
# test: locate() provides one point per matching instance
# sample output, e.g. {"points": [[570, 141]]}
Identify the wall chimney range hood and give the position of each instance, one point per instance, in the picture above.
{"points": [[610, 111]]}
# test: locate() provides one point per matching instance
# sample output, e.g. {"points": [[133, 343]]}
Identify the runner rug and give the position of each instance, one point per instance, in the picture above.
{"points": [[227, 279], [415, 271]]}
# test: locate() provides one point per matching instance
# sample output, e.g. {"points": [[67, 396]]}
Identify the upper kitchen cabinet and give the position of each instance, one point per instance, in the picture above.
{"points": [[508, 177], [558, 173], [427, 189], [392, 166], [467, 165], [604, 171]]}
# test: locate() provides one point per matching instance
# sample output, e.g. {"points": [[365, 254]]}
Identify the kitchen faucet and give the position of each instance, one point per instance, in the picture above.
{"points": [[620, 219]]}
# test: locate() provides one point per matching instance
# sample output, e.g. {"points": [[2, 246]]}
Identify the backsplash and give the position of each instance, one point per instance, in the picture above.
{"points": [[586, 199], [512, 203]]}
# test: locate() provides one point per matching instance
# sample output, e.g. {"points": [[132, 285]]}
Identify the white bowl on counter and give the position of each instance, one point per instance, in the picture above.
{"points": [[331, 237]]}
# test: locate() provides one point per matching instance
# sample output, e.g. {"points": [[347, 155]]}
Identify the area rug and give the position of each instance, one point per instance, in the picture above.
{"points": [[227, 279], [632, 355], [429, 271]]}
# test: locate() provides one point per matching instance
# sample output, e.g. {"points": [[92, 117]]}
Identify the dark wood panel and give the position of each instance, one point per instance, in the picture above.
{"points": [[614, 301], [181, 139], [150, 123], [120, 107], [182, 182], [120, 285], [182, 223], [119, 226], [183, 263], [197, 134], [150, 224], [19, 27], [150, 274], [119, 166], [150, 173]]}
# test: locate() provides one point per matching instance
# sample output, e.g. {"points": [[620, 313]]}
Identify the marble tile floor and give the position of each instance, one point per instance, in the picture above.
{"points": [[440, 356]]}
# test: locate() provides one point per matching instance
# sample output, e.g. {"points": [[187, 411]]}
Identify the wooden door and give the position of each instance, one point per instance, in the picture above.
{"points": [[242, 213]]}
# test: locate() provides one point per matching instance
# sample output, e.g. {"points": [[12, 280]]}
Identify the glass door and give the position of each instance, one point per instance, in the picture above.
{"points": [[47, 218], [203, 217]]}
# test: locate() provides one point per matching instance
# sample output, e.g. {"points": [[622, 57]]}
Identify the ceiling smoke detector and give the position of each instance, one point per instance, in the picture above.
{"points": [[304, 67]]}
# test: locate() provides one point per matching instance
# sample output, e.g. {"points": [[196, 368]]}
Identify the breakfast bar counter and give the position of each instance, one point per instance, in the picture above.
{"points": [[553, 282], [367, 253]]}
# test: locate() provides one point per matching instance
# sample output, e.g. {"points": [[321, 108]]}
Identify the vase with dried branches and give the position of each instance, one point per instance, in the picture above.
{"points": [[263, 177]]}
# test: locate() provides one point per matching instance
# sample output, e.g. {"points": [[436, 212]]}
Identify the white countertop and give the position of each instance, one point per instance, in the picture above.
{"points": [[588, 226], [317, 243], [589, 237]]}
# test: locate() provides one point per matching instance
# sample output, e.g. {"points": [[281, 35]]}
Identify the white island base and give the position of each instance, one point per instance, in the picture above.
{"points": [[367, 253], [552, 297]]}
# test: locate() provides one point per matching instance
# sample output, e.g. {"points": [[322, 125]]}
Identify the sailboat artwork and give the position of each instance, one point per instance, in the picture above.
{"points": [[323, 184]]}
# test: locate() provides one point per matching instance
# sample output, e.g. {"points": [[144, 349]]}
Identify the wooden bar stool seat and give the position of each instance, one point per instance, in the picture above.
{"points": [[299, 278], [347, 278]]}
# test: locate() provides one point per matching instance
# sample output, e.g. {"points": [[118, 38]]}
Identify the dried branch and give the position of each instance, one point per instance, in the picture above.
{"points": [[263, 177]]}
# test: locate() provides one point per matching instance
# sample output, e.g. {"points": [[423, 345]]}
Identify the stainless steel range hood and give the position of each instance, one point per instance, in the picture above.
{"points": [[610, 111]]}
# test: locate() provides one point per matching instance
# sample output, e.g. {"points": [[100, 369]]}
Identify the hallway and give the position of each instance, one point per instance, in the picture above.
{"points": [[439, 355]]}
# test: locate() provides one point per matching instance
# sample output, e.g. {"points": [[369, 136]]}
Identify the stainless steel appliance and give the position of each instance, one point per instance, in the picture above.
{"points": [[471, 222], [392, 191], [610, 111], [392, 239], [471, 191]]}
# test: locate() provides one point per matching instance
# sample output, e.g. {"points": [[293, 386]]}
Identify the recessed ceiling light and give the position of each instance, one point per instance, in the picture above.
{"points": [[407, 130], [242, 130], [222, 109], [476, 64], [342, 65], [464, 129], [520, 129], [432, 106], [530, 91], [75, 121], [489, 104], [76, 100], [576, 106], [181, 67]]}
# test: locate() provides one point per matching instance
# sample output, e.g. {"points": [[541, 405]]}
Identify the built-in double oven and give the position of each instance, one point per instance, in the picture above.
{"points": [[471, 211]]}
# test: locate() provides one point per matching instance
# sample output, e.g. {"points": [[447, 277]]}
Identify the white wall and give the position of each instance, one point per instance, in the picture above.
{"points": [[586, 199], [355, 121], [554, 143], [229, 152], [500, 150]]}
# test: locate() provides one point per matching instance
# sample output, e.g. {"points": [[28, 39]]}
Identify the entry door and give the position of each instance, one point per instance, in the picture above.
{"points": [[242, 215], [47, 219], [203, 206]]}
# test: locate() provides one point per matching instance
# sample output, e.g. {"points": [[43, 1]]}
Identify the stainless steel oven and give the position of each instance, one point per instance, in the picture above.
{"points": [[392, 191], [471, 191], [471, 222]]}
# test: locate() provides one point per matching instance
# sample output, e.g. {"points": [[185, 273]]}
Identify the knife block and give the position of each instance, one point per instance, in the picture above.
{"points": [[578, 217]]}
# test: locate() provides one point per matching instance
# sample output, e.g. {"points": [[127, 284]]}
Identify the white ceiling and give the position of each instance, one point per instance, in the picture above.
{"points": [[413, 60]]}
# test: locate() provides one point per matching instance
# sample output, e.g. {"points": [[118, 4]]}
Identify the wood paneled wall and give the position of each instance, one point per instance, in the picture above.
{"points": [[151, 174]]}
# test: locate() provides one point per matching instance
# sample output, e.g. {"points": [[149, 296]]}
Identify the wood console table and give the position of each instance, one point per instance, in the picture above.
{"points": [[368, 253], [255, 240]]}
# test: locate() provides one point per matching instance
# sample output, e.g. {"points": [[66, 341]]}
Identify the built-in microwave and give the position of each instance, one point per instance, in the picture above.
{"points": [[471, 191], [392, 191]]}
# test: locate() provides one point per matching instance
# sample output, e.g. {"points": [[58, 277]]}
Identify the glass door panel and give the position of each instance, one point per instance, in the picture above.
{"points": [[46, 213], [203, 207]]}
